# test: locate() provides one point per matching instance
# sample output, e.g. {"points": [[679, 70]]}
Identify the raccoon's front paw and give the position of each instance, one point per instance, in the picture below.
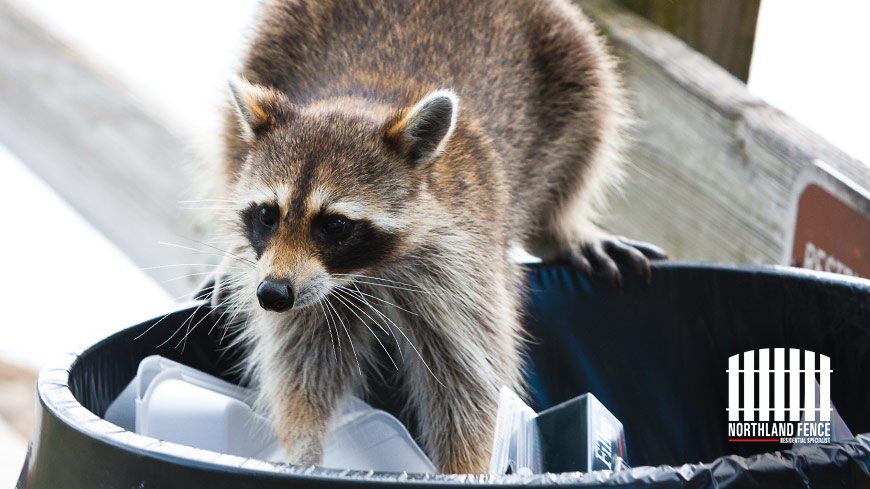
{"points": [[304, 450], [603, 255]]}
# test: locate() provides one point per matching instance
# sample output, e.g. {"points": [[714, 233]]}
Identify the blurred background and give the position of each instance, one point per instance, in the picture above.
{"points": [[742, 106]]}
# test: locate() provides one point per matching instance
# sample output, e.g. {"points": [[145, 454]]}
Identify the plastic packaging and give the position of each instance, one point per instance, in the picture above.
{"points": [[515, 447], [578, 435], [170, 401]]}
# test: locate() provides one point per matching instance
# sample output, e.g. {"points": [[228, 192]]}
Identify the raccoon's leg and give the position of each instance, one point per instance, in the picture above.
{"points": [[455, 404], [302, 380], [301, 421], [464, 354], [582, 164]]}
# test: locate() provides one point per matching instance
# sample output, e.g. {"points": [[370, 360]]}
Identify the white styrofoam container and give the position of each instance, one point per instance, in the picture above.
{"points": [[170, 401]]}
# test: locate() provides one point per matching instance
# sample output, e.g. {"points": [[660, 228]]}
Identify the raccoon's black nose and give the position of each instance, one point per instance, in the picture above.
{"points": [[275, 296]]}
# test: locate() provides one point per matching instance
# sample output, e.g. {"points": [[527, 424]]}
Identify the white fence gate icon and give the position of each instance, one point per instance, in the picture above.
{"points": [[796, 376]]}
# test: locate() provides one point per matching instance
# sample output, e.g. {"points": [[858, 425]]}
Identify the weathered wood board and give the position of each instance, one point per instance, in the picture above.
{"points": [[87, 137], [724, 30], [714, 169]]}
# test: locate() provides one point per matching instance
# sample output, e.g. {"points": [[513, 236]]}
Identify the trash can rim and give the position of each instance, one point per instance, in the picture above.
{"points": [[57, 400]]}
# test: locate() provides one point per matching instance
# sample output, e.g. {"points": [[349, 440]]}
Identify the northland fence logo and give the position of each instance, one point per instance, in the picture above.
{"points": [[784, 397]]}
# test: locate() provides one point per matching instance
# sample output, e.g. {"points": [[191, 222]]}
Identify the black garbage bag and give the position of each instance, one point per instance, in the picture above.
{"points": [[656, 355]]}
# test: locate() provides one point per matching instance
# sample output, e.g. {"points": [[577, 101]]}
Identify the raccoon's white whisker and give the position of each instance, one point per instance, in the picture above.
{"points": [[222, 252], [377, 299], [337, 334], [419, 355], [347, 293], [353, 293], [347, 302], [382, 315], [190, 330], [349, 339], [184, 296], [210, 205], [373, 284], [218, 255], [197, 274], [356, 290], [182, 325], [334, 323], [329, 327], [221, 209], [225, 238], [226, 308], [231, 321], [225, 320], [209, 200], [378, 278], [149, 328], [174, 299], [194, 251], [181, 265], [229, 304]]}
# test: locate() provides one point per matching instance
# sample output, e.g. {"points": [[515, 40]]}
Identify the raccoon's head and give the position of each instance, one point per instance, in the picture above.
{"points": [[329, 191]]}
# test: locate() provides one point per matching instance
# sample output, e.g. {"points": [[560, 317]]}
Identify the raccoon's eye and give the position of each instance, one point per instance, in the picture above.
{"points": [[268, 215], [337, 228]]}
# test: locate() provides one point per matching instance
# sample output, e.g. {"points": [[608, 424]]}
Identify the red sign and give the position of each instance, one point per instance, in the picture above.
{"points": [[829, 235]]}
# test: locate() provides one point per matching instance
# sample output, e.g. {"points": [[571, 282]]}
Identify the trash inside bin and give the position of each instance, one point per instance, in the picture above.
{"points": [[656, 355], [170, 401]]}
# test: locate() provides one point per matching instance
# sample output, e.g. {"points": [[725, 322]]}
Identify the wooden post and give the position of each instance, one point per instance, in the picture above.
{"points": [[714, 170], [722, 30]]}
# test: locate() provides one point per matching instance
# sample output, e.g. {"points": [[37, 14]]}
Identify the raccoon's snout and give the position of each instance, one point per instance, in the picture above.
{"points": [[275, 296]]}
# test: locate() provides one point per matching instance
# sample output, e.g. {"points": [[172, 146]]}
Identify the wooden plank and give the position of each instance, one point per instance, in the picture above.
{"points": [[722, 30], [87, 137], [714, 168]]}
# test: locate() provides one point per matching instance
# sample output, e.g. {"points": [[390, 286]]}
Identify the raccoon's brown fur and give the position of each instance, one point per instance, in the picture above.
{"points": [[339, 113]]}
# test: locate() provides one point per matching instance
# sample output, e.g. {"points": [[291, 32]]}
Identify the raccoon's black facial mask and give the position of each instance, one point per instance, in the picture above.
{"points": [[342, 244], [332, 230], [260, 221], [346, 245]]}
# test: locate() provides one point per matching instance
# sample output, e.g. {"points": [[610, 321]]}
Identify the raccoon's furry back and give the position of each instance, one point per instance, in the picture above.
{"points": [[532, 73]]}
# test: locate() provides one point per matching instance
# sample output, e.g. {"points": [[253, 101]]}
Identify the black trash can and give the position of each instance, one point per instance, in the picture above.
{"points": [[656, 355]]}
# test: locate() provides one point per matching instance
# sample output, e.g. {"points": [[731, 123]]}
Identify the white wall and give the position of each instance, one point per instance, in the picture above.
{"points": [[175, 55], [812, 59], [64, 285]]}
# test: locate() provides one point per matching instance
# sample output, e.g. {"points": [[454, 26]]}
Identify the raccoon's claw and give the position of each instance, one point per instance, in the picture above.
{"points": [[603, 256], [649, 250]]}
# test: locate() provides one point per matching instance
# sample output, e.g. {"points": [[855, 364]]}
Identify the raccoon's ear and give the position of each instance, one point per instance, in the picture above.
{"points": [[422, 132], [259, 108]]}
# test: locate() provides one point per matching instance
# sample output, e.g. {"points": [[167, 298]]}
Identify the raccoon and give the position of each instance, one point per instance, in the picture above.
{"points": [[380, 159]]}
